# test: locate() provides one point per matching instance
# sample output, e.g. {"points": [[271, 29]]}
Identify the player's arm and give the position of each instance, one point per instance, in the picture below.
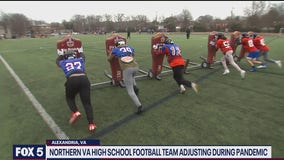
{"points": [[58, 59], [83, 55], [110, 57], [217, 45]]}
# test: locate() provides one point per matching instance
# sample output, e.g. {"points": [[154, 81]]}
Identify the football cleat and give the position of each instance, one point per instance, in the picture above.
{"points": [[74, 116], [158, 77], [194, 86], [261, 66], [243, 74], [92, 127], [139, 109], [182, 89], [279, 64], [253, 69], [226, 72]]}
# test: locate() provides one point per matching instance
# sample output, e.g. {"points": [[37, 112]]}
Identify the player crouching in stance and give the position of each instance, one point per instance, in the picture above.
{"points": [[129, 67], [263, 48], [223, 44], [177, 63], [73, 66], [253, 52]]}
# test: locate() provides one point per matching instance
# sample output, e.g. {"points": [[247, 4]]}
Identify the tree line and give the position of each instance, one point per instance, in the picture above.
{"points": [[259, 17]]}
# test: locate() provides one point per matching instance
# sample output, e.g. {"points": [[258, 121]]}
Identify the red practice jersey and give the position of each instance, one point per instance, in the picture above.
{"points": [[259, 43], [248, 45], [224, 45]]}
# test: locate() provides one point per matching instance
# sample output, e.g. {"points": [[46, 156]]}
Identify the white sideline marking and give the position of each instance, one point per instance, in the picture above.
{"points": [[45, 116]]}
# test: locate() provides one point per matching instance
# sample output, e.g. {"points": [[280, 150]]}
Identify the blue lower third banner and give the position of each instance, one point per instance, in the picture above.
{"points": [[160, 152], [91, 150]]}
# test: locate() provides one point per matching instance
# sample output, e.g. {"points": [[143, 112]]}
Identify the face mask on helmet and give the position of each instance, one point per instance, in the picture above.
{"points": [[120, 42], [245, 35], [70, 54], [220, 36], [169, 41], [254, 35]]}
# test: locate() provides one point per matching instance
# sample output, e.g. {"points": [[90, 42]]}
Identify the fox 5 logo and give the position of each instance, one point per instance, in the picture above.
{"points": [[28, 151]]}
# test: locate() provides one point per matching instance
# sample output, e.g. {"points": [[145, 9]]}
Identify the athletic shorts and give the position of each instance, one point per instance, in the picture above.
{"points": [[253, 55]]}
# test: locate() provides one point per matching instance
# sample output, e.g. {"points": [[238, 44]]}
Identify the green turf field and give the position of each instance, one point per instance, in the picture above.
{"points": [[227, 110]]}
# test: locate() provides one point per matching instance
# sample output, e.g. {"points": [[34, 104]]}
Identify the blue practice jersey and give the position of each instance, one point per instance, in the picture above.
{"points": [[72, 65], [123, 51], [173, 49]]}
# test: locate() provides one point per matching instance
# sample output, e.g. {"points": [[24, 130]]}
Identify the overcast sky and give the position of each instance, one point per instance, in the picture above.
{"points": [[57, 11]]}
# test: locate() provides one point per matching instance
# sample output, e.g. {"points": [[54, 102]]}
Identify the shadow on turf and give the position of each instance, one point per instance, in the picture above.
{"points": [[145, 109]]}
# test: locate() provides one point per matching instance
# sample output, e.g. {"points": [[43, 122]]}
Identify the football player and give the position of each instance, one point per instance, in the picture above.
{"points": [[223, 44], [253, 52], [77, 81], [177, 63], [129, 66], [260, 44]]}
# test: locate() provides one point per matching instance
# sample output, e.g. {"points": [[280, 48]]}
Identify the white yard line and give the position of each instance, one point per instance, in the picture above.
{"points": [[45, 116]]}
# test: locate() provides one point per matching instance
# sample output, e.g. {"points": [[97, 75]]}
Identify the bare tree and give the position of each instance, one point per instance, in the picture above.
{"points": [[257, 8], [204, 23], [108, 23], [119, 19], [79, 23], [170, 23], [184, 18], [19, 24]]}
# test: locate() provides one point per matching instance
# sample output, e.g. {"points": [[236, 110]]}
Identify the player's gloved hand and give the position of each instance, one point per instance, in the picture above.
{"points": [[155, 46], [60, 52], [80, 50], [212, 43]]}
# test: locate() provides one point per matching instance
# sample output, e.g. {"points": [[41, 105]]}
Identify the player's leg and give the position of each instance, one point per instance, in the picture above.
{"points": [[129, 83], [136, 89], [71, 89], [230, 58], [181, 82], [85, 96], [250, 62], [224, 63], [266, 58]]}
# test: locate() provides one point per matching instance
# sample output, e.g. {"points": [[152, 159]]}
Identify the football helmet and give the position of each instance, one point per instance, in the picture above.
{"points": [[119, 42], [70, 54], [245, 34], [220, 36], [254, 35], [169, 41]]}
